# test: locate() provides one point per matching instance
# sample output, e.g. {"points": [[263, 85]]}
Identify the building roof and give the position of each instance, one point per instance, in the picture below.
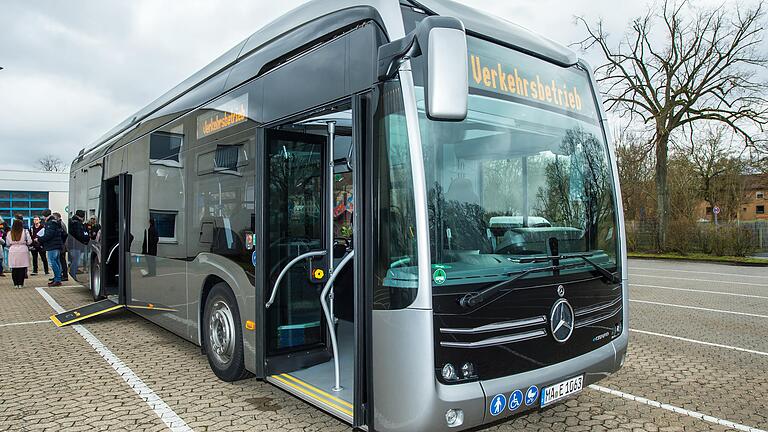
{"points": [[756, 181], [33, 181]]}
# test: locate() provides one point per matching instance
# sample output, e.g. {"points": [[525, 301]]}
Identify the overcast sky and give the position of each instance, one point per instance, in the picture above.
{"points": [[74, 69]]}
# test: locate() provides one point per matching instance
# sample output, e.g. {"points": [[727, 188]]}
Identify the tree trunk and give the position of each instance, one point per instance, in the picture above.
{"points": [[662, 188]]}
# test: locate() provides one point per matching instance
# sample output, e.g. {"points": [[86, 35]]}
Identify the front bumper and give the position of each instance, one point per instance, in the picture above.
{"points": [[474, 399]]}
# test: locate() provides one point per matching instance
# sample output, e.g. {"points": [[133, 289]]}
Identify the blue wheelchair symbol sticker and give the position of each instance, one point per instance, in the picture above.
{"points": [[254, 258], [531, 395], [515, 400], [498, 403]]}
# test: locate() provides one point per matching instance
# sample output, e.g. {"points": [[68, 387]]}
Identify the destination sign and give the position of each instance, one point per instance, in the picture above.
{"points": [[223, 115], [503, 71]]}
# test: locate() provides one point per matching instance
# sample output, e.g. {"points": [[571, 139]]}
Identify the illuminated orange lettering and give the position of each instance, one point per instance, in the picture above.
{"points": [[521, 87], [476, 71], [486, 77], [511, 83], [540, 87], [534, 91], [570, 100], [554, 93], [493, 77], [502, 79], [577, 98]]}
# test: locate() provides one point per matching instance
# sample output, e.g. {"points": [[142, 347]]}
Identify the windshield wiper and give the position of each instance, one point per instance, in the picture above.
{"points": [[610, 277], [473, 299]]}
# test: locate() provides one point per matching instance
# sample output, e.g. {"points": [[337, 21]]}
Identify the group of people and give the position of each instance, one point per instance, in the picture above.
{"points": [[48, 238]]}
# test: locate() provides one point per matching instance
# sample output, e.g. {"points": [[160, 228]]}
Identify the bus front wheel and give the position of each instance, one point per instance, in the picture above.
{"points": [[223, 334], [96, 279]]}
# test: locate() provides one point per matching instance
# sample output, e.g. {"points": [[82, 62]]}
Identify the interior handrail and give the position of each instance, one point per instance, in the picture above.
{"points": [[329, 318], [285, 270], [109, 257]]}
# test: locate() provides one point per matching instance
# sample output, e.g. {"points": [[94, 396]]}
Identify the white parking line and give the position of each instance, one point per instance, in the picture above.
{"points": [[701, 280], [697, 272], [166, 414], [701, 342], [25, 323], [676, 409], [698, 308], [699, 291]]}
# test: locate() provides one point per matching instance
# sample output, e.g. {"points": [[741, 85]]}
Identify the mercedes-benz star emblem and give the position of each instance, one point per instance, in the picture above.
{"points": [[561, 290], [561, 320]]}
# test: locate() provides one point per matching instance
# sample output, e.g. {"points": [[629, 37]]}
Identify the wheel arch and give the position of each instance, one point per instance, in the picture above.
{"points": [[204, 272]]}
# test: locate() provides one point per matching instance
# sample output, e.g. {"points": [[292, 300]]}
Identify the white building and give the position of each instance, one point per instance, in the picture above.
{"points": [[29, 192]]}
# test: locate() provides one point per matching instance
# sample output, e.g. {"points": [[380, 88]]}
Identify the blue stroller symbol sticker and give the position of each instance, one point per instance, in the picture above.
{"points": [[498, 403], [531, 395], [515, 400]]}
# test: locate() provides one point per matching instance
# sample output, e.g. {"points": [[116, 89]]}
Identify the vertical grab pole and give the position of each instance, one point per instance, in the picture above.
{"points": [[331, 137], [329, 319]]}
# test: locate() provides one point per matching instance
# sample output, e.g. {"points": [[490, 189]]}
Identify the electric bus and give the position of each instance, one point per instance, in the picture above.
{"points": [[406, 213]]}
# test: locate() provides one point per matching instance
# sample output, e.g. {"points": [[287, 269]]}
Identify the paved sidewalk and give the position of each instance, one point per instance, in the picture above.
{"points": [[51, 379]]}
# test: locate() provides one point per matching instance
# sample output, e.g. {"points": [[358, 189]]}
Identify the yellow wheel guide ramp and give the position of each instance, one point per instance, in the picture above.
{"points": [[84, 312]]}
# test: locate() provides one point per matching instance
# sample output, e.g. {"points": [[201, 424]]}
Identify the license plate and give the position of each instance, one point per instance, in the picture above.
{"points": [[561, 390]]}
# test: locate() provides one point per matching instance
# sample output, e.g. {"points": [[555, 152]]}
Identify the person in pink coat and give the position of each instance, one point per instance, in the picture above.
{"points": [[18, 241]]}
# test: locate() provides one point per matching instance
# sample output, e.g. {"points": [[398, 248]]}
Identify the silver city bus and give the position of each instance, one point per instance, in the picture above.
{"points": [[405, 213]]}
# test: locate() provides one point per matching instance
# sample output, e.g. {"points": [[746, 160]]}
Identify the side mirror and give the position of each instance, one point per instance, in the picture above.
{"points": [[443, 43]]}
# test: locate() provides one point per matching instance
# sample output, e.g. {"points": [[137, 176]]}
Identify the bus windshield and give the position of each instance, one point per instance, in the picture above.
{"points": [[527, 169]]}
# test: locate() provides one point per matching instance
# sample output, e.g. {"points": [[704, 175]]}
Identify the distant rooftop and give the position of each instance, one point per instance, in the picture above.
{"points": [[33, 181]]}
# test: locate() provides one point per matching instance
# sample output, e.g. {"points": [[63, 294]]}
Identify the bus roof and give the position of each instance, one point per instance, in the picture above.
{"points": [[388, 10]]}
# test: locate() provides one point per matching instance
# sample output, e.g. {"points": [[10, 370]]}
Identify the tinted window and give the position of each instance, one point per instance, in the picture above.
{"points": [[165, 224], [166, 145]]}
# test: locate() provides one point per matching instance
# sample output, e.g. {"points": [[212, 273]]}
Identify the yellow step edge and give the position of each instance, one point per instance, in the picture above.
{"points": [[162, 309], [317, 390], [313, 396]]}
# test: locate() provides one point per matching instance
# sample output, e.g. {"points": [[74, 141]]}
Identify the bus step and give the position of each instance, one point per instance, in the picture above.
{"points": [[84, 312]]}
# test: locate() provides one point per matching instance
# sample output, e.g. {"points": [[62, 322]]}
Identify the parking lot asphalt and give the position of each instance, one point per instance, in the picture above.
{"points": [[698, 360]]}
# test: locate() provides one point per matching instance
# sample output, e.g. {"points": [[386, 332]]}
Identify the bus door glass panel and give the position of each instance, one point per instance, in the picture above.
{"points": [[109, 236], [295, 184]]}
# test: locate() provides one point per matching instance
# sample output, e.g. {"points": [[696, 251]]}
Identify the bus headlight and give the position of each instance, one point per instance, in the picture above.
{"points": [[467, 370], [454, 417], [449, 372]]}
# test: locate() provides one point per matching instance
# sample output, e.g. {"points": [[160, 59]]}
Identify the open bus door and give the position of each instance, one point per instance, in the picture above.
{"points": [[311, 304], [111, 287]]}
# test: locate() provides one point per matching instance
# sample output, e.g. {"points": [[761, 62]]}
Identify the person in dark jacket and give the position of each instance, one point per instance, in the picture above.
{"points": [[36, 248], [4, 229], [79, 238], [63, 254], [52, 241]]}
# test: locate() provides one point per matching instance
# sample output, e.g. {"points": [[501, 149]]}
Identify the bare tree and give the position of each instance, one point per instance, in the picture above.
{"points": [[51, 163], [698, 66], [635, 173], [718, 169]]}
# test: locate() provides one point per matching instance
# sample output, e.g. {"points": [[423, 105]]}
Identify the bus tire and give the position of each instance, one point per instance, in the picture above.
{"points": [[95, 283], [223, 334]]}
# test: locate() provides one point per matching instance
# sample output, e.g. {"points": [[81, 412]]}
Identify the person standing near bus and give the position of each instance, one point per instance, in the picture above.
{"points": [[93, 228], [80, 238], [63, 254], [53, 241], [3, 231], [36, 248], [18, 242]]}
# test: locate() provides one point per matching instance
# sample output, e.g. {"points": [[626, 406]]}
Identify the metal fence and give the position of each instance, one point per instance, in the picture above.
{"points": [[727, 238], [759, 231]]}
